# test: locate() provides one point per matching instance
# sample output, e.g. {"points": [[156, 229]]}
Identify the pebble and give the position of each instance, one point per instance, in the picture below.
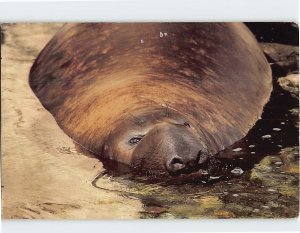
{"points": [[251, 146], [276, 129], [252, 152], [279, 146], [265, 206], [225, 193], [271, 190], [266, 136], [235, 195], [237, 171], [256, 210], [283, 123], [237, 149]]}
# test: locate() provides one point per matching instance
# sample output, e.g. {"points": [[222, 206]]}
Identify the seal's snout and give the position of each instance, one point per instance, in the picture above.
{"points": [[185, 162]]}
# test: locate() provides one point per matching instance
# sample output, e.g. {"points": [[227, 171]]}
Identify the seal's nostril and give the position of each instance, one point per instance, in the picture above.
{"points": [[175, 164], [176, 160]]}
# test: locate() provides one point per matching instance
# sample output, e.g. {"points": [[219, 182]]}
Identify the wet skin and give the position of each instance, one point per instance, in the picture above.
{"points": [[161, 140]]}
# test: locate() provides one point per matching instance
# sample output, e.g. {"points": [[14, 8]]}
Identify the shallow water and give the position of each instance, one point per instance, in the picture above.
{"points": [[44, 175]]}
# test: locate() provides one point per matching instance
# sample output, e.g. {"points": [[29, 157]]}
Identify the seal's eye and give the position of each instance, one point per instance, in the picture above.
{"points": [[187, 124], [135, 140]]}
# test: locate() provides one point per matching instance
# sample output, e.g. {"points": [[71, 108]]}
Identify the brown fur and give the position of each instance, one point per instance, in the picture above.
{"points": [[91, 76]]}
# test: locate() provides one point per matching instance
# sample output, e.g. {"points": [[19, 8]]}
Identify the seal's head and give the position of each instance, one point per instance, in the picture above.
{"points": [[157, 141]]}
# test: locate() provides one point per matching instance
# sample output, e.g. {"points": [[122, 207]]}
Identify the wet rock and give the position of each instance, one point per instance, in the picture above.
{"points": [[284, 56], [290, 83], [237, 171], [284, 178]]}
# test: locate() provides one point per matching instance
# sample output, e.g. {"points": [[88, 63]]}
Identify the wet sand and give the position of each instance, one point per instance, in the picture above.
{"points": [[43, 176]]}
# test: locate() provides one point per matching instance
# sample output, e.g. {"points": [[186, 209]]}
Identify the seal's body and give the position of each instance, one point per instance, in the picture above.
{"points": [[161, 96]]}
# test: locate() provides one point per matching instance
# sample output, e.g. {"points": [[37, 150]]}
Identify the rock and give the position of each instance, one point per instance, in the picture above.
{"points": [[283, 179], [237, 171], [276, 129], [284, 56], [290, 83]]}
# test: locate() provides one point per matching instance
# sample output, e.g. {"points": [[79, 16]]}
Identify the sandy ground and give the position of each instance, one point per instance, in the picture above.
{"points": [[43, 176]]}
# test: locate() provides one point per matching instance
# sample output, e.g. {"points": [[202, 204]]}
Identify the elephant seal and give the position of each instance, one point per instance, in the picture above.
{"points": [[161, 97]]}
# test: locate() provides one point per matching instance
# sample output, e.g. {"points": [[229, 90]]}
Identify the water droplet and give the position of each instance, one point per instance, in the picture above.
{"points": [[237, 149], [214, 177], [276, 129]]}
